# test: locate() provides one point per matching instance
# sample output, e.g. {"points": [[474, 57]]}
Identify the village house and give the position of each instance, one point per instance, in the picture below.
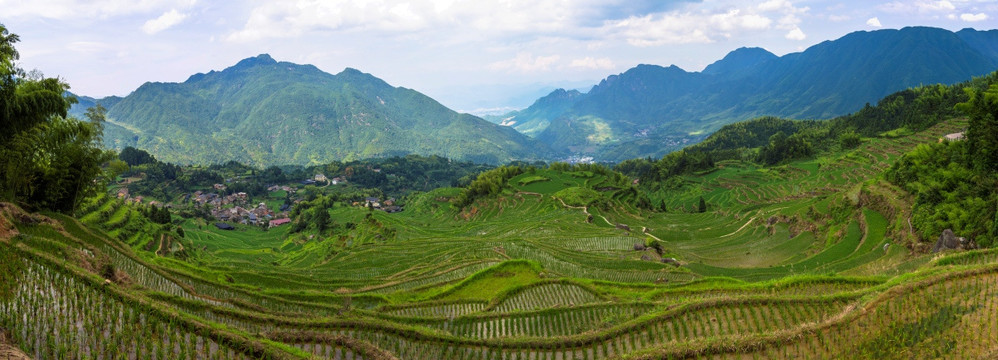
{"points": [[392, 209], [320, 177], [123, 193], [279, 222], [220, 187], [224, 226]]}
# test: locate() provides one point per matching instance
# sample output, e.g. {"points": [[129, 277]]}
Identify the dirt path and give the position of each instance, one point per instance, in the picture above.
{"points": [[644, 230], [8, 351], [743, 226], [584, 209]]}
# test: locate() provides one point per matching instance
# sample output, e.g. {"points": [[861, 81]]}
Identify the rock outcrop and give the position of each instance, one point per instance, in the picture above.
{"points": [[949, 241]]}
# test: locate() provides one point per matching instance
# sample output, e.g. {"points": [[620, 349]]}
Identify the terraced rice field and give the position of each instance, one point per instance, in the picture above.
{"points": [[795, 261]]}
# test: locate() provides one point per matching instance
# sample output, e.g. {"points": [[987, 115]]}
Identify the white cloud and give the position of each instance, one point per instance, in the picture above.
{"points": [[163, 22], [839, 18], [86, 9], [672, 29], [695, 24], [461, 18], [933, 6], [685, 28], [88, 47], [973, 17], [526, 62], [796, 34], [874, 22], [591, 63], [773, 5], [919, 6]]}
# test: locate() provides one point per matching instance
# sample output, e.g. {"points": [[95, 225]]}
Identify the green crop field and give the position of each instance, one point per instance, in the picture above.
{"points": [[790, 261]]}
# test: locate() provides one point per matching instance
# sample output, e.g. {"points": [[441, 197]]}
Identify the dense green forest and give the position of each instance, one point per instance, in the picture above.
{"points": [[956, 182]]}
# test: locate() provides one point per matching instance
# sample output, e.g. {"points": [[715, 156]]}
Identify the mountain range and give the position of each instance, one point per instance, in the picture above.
{"points": [[261, 111], [650, 110]]}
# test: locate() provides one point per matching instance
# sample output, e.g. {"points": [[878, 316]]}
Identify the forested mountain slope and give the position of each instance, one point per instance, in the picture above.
{"points": [[263, 112], [651, 110]]}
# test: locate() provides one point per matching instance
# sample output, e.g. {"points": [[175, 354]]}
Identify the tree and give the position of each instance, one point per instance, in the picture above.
{"points": [[782, 147], [702, 206], [134, 156], [849, 139], [982, 132], [321, 219], [117, 167], [48, 160]]}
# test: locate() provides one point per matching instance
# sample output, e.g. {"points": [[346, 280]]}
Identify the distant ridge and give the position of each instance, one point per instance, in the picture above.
{"points": [[650, 110]]}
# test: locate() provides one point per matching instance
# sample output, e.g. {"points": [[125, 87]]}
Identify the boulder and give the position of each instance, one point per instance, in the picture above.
{"points": [[639, 247], [645, 257], [949, 241], [623, 227], [671, 261]]}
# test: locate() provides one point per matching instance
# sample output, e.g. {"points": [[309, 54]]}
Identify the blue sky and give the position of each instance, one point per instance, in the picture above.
{"points": [[469, 55]]}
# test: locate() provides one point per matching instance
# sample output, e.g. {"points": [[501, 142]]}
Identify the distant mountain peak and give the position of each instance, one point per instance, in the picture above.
{"points": [[739, 59], [561, 92], [351, 71], [262, 59]]}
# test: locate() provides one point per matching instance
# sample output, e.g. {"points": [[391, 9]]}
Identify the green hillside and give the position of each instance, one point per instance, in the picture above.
{"points": [[265, 112]]}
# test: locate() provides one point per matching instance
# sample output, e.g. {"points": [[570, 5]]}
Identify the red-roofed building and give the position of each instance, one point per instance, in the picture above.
{"points": [[279, 222]]}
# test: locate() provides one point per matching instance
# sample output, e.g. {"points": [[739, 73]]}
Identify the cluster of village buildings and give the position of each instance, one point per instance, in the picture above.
{"points": [[375, 203], [244, 213]]}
